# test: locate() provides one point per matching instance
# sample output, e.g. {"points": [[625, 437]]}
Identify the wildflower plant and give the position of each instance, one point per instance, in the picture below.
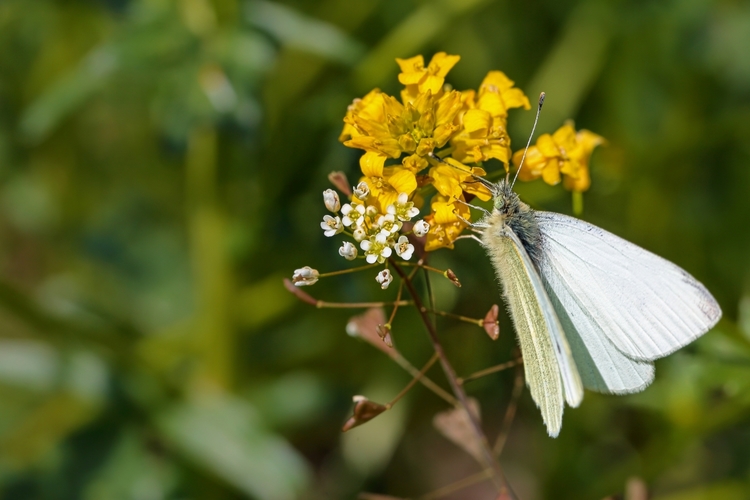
{"points": [[422, 155]]}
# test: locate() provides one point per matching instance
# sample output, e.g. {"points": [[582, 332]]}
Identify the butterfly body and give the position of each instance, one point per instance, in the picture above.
{"points": [[590, 309]]}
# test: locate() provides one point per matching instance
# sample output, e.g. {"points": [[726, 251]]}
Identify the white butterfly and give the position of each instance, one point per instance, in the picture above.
{"points": [[590, 309]]}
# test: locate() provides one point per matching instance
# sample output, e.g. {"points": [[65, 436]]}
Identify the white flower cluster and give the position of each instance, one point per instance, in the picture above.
{"points": [[379, 235]]}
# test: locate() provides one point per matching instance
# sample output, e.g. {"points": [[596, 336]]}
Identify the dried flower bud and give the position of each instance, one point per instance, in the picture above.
{"points": [[364, 411], [367, 326], [452, 276], [384, 332], [362, 190], [490, 323], [305, 276], [421, 228], [339, 180], [331, 200]]}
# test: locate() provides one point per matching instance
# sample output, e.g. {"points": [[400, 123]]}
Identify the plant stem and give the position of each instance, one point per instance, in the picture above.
{"points": [[416, 378], [489, 459], [473, 321], [358, 305], [411, 369], [488, 371], [347, 271], [510, 412]]}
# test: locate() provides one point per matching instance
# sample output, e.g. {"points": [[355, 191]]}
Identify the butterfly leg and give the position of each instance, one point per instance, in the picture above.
{"points": [[469, 237], [472, 225], [486, 212]]}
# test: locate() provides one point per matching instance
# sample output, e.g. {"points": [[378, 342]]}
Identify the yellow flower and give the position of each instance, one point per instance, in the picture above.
{"points": [[350, 129], [385, 183], [497, 95], [563, 153], [484, 133], [445, 226], [369, 119], [379, 123], [418, 79], [587, 141], [452, 179]]}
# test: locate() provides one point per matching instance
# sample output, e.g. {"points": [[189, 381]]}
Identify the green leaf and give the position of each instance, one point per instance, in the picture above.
{"points": [[224, 436]]}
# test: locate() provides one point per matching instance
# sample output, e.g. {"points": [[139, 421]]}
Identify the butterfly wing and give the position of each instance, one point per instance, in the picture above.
{"points": [[614, 291], [603, 368], [550, 371]]}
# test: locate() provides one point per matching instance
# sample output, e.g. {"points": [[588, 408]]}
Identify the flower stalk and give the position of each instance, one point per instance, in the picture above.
{"points": [[488, 457]]}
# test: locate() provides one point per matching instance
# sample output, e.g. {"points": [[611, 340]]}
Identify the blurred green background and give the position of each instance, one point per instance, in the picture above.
{"points": [[161, 170]]}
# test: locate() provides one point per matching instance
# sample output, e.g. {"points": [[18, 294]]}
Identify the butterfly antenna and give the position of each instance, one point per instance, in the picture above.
{"points": [[538, 110]]}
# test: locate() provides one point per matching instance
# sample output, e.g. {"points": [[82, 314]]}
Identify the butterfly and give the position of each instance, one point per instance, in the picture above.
{"points": [[591, 310]]}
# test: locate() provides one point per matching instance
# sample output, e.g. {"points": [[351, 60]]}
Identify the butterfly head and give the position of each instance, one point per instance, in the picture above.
{"points": [[506, 200]]}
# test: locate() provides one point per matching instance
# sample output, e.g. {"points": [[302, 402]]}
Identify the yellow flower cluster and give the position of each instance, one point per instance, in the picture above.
{"points": [[433, 141], [564, 153]]}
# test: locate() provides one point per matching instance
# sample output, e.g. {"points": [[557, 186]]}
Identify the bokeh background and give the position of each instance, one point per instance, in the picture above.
{"points": [[161, 170]]}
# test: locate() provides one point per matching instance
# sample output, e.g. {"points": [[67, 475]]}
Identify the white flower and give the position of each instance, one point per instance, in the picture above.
{"points": [[362, 190], [421, 228], [353, 215], [331, 225], [305, 276], [348, 251], [376, 248], [403, 248], [331, 200], [371, 211], [403, 208], [384, 277], [359, 233], [388, 224]]}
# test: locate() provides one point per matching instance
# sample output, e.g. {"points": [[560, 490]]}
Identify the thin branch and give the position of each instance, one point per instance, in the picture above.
{"points": [[490, 370], [458, 485], [473, 321], [423, 266], [510, 412], [348, 271], [489, 459], [404, 363], [416, 378], [320, 304]]}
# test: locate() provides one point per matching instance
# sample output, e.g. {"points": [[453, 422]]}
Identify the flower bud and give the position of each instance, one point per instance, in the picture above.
{"points": [[359, 234], [348, 251], [385, 278], [421, 228], [331, 200], [305, 276], [362, 191]]}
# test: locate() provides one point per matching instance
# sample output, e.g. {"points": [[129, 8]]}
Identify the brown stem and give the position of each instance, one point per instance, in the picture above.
{"points": [[404, 363], [424, 266], [473, 321], [458, 485], [489, 459], [488, 371], [510, 412], [347, 271], [416, 378], [320, 304]]}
